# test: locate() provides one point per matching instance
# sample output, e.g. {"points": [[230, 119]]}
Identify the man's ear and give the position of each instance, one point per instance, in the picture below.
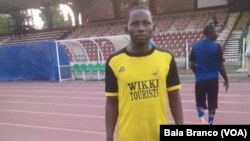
{"points": [[126, 29]]}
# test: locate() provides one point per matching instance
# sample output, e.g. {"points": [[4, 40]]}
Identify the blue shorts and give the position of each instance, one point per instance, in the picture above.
{"points": [[207, 90]]}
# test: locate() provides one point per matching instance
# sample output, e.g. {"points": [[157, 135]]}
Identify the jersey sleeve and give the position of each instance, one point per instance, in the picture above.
{"points": [[111, 87], [173, 81]]}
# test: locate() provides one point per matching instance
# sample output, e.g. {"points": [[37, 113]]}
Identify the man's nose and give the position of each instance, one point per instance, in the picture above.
{"points": [[141, 27]]}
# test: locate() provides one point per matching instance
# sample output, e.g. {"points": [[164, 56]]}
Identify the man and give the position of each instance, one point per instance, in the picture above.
{"points": [[247, 53], [138, 80], [206, 61]]}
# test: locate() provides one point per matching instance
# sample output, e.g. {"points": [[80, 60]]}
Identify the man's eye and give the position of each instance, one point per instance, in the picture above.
{"points": [[135, 24], [146, 23]]}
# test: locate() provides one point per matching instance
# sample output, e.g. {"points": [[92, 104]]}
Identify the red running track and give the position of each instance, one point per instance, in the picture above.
{"points": [[74, 111]]}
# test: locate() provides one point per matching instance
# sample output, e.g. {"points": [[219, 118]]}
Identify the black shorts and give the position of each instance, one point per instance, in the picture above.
{"points": [[207, 90]]}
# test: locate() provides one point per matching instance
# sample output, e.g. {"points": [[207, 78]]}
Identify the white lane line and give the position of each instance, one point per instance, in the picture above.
{"points": [[51, 91], [102, 117], [66, 129], [102, 88], [50, 113], [221, 95], [52, 128], [54, 104], [220, 102], [219, 111], [101, 96], [58, 97], [50, 86], [184, 101]]}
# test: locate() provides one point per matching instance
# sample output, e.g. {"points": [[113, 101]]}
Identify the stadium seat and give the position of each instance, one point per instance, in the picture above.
{"points": [[83, 68], [76, 68], [100, 68]]}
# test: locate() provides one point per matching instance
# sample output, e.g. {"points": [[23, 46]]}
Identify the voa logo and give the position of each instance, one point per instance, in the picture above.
{"points": [[233, 132]]}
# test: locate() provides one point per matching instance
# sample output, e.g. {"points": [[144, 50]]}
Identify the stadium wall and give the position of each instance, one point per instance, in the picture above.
{"points": [[32, 61], [170, 6]]}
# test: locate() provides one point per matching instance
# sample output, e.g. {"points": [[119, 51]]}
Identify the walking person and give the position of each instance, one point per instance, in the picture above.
{"points": [[247, 53], [206, 61]]}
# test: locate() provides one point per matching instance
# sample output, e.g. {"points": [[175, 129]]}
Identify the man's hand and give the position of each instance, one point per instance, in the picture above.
{"points": [[226, 85]]}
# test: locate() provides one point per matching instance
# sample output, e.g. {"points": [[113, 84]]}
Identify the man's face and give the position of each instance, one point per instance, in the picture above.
{"points": [[140, 26]]}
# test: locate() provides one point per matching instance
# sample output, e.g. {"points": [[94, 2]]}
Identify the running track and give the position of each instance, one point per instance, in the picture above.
{"points": [[74, 111]]}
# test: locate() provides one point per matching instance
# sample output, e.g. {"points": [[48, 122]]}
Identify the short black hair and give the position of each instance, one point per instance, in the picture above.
{"points": [[139, 7], [208, 29]]}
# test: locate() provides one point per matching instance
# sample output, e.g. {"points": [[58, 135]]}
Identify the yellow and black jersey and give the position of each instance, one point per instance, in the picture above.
{"points": [[141, 83]]}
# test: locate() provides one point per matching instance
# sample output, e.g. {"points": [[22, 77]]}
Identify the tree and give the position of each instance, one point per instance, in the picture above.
{"points": [[68, 22], [4, 28], [58, 19]]}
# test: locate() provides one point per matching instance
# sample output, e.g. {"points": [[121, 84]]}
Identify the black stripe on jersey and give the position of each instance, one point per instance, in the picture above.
{"points": [[173, 76], [139, 54], [111, 85]]}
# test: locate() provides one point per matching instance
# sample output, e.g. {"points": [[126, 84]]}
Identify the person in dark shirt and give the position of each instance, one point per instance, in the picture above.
{"points": [[206, 60]]}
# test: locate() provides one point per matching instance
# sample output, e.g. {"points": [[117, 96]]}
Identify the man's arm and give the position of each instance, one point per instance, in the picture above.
{"points": [[175, 106], [173, 86], [111, 114], [192, 61], [224, 75], [222, 69], [192, 66]]}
